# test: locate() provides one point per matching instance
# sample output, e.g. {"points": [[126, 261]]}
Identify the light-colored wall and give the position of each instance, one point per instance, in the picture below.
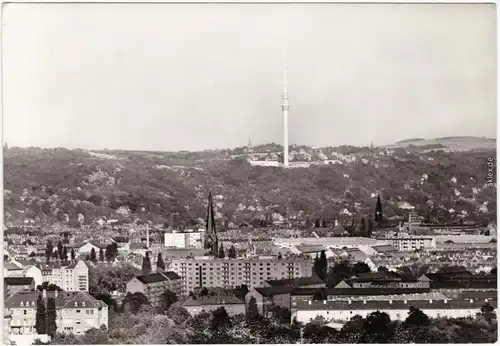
{"points": [[26, 322], [35, 273], [306, 316], [230, 273], [231, 309], [175, 240], [81, 319]]}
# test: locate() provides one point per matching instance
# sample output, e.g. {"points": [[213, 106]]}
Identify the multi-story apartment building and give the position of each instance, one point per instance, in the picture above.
{"points": [[69, 277], [230, 272], [153, 285], [76, 312], [412, 243]]}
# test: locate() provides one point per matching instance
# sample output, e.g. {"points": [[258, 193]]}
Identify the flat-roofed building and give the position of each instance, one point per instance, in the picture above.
{"points": [[207, 271], [412, 243]]}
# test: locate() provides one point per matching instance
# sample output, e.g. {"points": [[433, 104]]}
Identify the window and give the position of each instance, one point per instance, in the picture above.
{"points": [[77, 311], [24, 311]]}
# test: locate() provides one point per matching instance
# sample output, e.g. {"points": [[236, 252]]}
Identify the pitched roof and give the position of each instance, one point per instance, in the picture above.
{"points": [[18, 281], [63, 299], [371, 291], [312, 280], [310, 248], [11, 266], [271, 291], [121, 239], [151, 278], [171, 275], [225, 300], [394, 305]]}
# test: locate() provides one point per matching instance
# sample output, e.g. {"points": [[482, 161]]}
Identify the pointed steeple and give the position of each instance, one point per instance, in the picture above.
{"points": [[211, 241]]}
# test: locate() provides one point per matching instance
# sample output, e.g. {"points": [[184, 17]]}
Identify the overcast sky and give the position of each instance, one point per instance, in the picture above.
{"points": [[196, 76]]}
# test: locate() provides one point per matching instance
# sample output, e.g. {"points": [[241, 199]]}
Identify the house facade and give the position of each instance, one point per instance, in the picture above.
{"points": [[76, 312]]}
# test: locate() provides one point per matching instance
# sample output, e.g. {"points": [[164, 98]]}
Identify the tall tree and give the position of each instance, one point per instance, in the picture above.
{"points": [[325, 224], [160, 265], [362, 226], [55, 254], [65, 254], [416, 318], [323, 265], [51, 317], [252, 310], [48, 250], [378, 210], [167, 298], [41, 316], [93, 256], [101, 255], [231, 253], [60, 250], [370, 228], [317, 223], [146, 264], [73, 255], [222, 254]]}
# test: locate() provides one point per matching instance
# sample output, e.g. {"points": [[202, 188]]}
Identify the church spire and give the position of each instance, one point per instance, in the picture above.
{"points": [[211, 241]]}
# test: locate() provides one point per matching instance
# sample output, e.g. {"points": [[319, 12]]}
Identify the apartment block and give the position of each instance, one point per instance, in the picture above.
{"points": [[207, 271], [69, 276]]}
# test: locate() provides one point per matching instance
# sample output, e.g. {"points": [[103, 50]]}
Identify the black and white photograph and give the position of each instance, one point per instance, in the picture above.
{"points": [[249, 173]]}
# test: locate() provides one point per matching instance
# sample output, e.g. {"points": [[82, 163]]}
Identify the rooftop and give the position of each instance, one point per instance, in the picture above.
{"points": [[312, 280], [18, 281], [391, 305], [226, 300]]}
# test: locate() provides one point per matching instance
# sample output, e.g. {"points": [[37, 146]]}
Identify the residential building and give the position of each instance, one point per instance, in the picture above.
{"points": [[86, 249], [412, 243], [232, 305], [397, 310], [68, 276], [386, 280], [17, 284], [12, 269], [123, 244], [76, 312], [153, 285], [207, 271]]}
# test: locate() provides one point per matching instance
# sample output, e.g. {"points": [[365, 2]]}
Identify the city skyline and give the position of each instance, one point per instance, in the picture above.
{"points": [[179, 76]]}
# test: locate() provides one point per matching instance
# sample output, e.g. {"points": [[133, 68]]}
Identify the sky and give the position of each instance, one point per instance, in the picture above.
{"points": [[202, 76]]}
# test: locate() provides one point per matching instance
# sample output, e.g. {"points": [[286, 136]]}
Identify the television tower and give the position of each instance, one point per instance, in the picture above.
{"points": [[285, 108]]}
